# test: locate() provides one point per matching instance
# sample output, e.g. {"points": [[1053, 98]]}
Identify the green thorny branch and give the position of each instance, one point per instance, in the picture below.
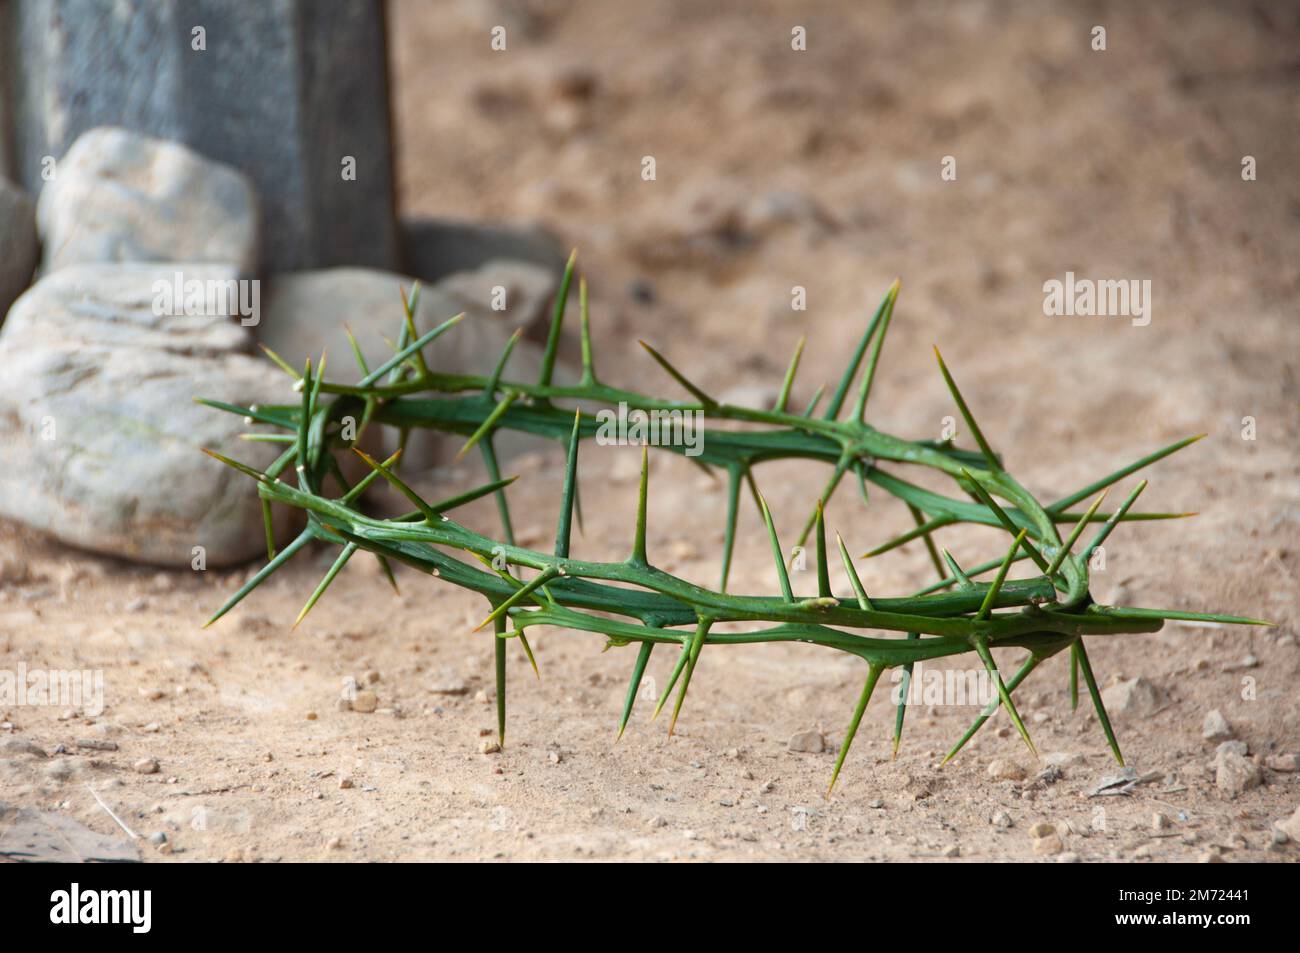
{"points": [[1044, 615]]}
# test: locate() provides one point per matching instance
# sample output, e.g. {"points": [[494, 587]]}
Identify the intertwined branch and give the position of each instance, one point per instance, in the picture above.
{"points": [[1046, 614]]}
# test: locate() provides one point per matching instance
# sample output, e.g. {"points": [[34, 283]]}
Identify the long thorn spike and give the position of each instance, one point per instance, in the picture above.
{"points": [[788, 382], [564, 528], [873, 675], [634, 686], [734, 477], [1086, 666], [263, 574], [863, 602], [518, 596], [1030, 664], [344, 556], [588, 358], [777, 555], [557, 323], [851, 372], [982, 647], [1007, 523], [678, 376], [991, 457], [1074, 535], [1121, 473], [860, 408], [642, 504], [1110, 524], [991, 597], [697, 642], [823, 572], [489, 422], [499, 658]]}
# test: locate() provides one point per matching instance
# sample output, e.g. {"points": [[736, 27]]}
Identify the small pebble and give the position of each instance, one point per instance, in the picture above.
{"points": [[1046, 846], [146, 766], [808, 742], [1216, 727], [490, 747], [1001, 820], [1003, 769], [365, 702]]}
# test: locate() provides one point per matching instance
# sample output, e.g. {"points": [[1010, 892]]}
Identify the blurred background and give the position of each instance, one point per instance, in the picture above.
{"points": [[736, 175]]}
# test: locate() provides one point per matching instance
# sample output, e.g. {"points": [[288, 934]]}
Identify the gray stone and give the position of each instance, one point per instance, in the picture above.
{"points": [[809, 742], [120, 196], [1235, 774], [305, 313], [18, 245], [514, 293], [1216, 727], [100, 429], [282, 91]]}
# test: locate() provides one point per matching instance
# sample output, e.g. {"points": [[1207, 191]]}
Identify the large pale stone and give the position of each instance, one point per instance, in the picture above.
{"points": [[18, 245], [120, 196], [514, 293], [100, 431], [305, 312]]}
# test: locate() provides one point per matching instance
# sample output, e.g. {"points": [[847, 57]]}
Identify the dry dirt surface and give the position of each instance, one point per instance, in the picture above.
{"points": [[776, 169]]}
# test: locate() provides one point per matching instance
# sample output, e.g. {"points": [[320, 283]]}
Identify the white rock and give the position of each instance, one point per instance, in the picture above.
{"points": [[100, 431], [1134, 697], [809, 742], [121, 196], [1004, 769], [18, 245], [1216, 727], [365, 702]]}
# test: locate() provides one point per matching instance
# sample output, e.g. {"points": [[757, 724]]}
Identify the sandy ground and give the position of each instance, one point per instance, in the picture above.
{"points": [[775, 169]]}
